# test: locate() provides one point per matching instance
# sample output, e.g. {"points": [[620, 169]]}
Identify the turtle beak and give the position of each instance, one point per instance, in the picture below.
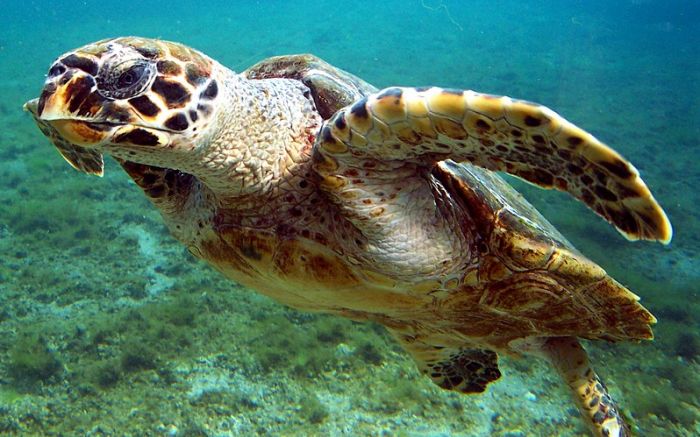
{"points": [[32, 107], [85, 160], [71, 105]]}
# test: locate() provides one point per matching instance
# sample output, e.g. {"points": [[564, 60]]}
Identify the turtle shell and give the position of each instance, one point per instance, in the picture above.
{"points": [[330, 87], [530, 280]]}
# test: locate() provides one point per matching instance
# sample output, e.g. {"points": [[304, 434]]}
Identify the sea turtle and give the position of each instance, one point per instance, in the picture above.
{"points": [[306, 183]]}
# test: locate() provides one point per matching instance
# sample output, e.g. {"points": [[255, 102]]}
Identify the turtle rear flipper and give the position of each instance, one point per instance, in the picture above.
{"points": [[469, 370], [592, 398], [80, 158], [465, 370], [426, 126]]}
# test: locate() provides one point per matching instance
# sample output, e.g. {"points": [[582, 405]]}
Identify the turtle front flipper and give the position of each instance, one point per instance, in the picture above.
{"points": [[465, 370], [527, 140], [595, 404], [167, 188]]}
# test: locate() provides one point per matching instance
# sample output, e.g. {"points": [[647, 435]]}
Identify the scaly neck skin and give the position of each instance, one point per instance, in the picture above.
{"points": [[261, 131]]}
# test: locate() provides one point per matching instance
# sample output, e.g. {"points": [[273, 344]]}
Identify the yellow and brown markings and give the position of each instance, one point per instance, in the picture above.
{"points": [[186, 54], [159, 183], [465, 370], [85, 160], [590, 393], [76, 90], [231, 263], [168, 67], [503, 305], [525, 278], [174, 95], [145, 106], [79, 132], [459, 368], [180, 75], [96, 49], [148, 48], [138, 137], [305, 271], [80, 62], [177, 122], [298, 272], [293, 259], [195, 74], [309, 262], [497, 133]]}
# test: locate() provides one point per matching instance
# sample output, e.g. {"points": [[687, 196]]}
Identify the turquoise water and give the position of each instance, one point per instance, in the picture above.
{"points": [[108, 327]]}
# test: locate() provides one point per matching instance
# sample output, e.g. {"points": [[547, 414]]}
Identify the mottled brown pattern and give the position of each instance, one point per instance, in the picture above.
{"points": [[144, 106], [185, 54], [78, 90], [138, 137], [221, 257], [174, 94], [521, 138], [169, 189], [590, 394], [195, 73], [80, 62], [148, 48]]}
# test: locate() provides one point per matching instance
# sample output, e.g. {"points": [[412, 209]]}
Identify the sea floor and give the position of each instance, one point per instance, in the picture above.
{"points": [[109, 327]]}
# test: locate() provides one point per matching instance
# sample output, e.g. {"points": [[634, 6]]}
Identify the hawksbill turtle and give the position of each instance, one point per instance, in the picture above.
{"points": [[306, 183]]}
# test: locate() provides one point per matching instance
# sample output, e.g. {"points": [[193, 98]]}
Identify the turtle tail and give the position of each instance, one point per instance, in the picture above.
{"points": [[592, 398]]}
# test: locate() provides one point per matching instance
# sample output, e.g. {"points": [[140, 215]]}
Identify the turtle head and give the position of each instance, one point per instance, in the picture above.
{"points": [[127, 97]]}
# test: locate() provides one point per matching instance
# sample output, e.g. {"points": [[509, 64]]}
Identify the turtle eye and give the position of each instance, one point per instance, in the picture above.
{"points": [[131, 76], [127, 79]]}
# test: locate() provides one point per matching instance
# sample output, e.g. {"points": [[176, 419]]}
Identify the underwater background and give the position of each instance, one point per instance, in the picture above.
{"points": [[109, 327]]}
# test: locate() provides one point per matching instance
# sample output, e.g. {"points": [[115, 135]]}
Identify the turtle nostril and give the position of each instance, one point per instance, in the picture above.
{"points": [[45, 94], [56, 69]]}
